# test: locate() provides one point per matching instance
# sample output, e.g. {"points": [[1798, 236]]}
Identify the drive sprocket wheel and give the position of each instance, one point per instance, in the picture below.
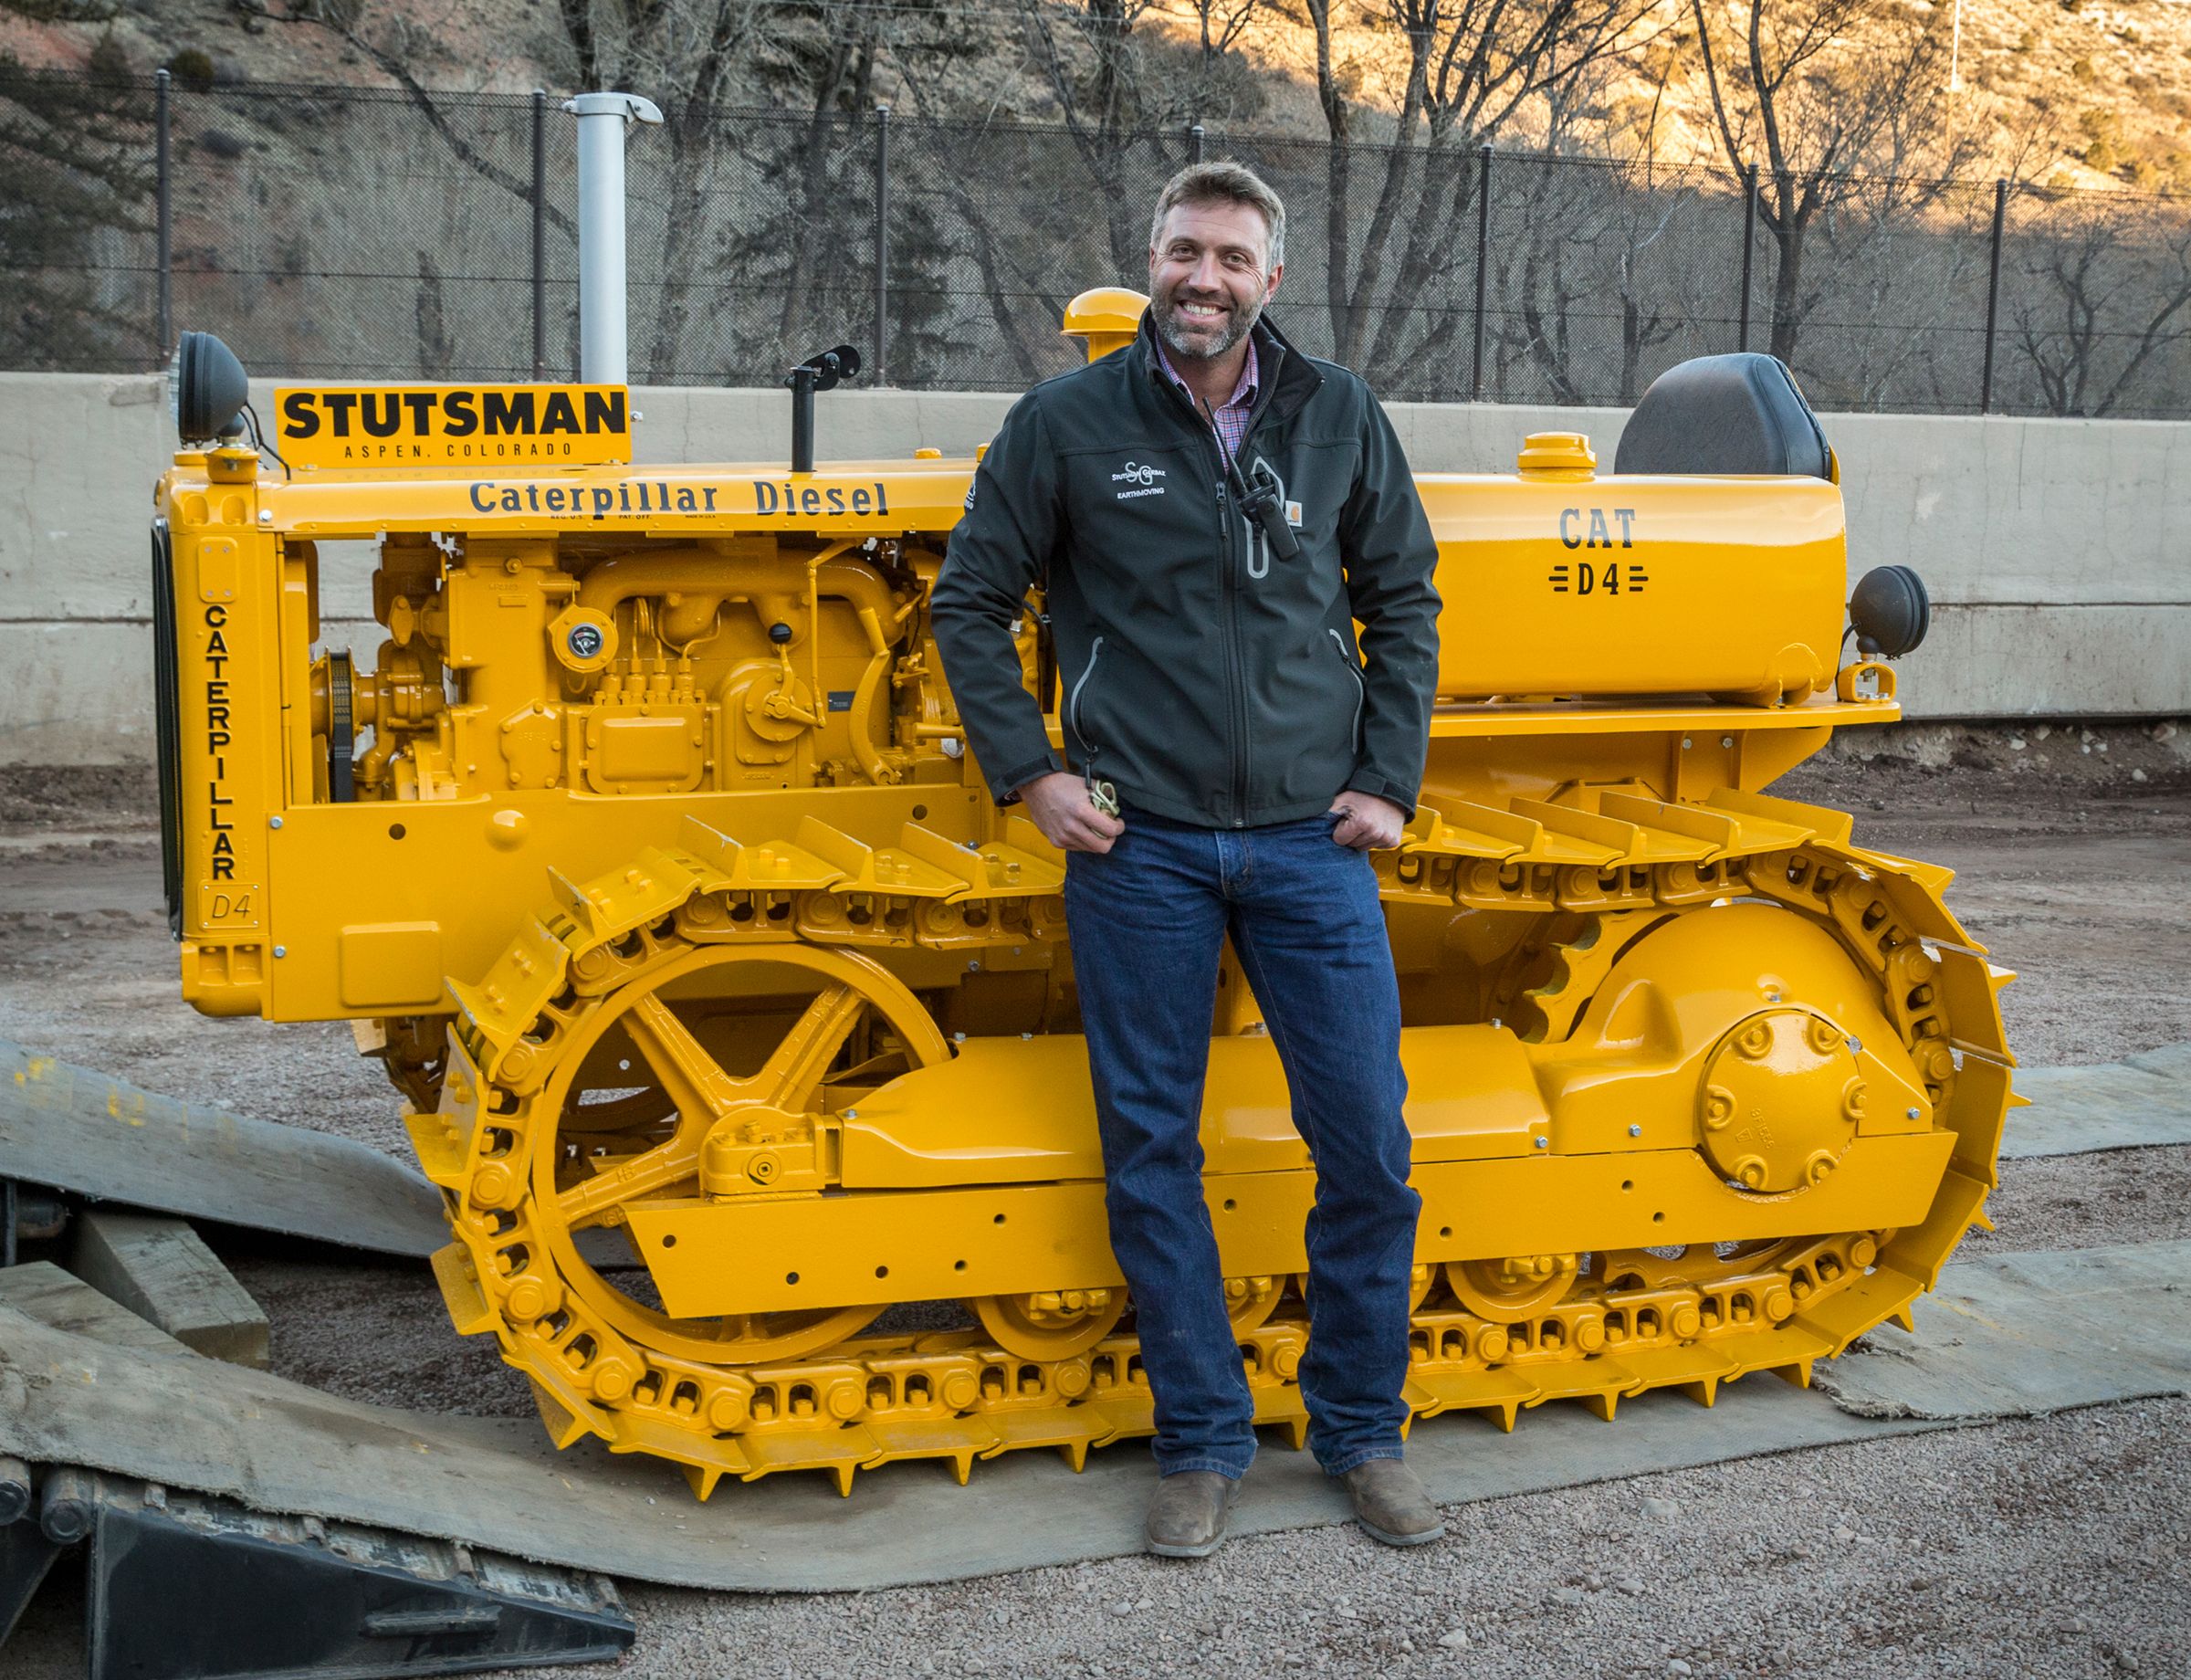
{"points": [[672, 1089]]}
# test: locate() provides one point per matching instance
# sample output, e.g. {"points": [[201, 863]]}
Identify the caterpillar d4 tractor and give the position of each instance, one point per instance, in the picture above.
{"points": [[736, 1024]]}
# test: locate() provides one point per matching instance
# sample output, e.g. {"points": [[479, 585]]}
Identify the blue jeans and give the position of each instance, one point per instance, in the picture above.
{"points": [[1148, 922]]}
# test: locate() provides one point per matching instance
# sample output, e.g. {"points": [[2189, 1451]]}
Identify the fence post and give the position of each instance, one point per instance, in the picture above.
{"points": [[1476, 377], [1194, 143], [163, 213], [539, 234], [882, 245], [1749, 246], [1993, 292]]}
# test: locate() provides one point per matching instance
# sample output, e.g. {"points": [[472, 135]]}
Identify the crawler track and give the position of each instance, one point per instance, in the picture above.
{"points": [[527, 1165]]}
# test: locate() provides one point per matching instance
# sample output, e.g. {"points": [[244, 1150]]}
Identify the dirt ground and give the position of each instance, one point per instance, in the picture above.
{"points": [[2054, 1546]]}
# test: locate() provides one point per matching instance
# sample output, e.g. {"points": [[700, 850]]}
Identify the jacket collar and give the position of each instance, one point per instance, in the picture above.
{"points": [[1288, 378]]}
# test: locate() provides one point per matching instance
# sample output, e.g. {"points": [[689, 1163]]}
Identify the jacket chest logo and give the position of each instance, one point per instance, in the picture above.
{"points": [[1138, 480]]}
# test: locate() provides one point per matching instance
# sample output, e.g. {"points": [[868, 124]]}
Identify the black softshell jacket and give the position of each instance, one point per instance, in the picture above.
{"points": [[1208, 680]]}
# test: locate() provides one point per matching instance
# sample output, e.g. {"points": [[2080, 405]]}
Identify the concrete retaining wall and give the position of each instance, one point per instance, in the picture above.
{"points": [[2058, 551]]}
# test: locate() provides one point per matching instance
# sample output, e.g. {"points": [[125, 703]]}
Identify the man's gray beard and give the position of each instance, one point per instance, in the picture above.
{"points": [[1174, 335]]}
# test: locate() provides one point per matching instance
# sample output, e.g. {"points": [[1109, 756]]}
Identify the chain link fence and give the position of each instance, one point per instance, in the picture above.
{"points": [[340, 233]]}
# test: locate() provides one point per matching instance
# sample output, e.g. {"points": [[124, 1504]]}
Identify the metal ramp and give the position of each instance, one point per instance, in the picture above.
{"points": [[184, 1585]]}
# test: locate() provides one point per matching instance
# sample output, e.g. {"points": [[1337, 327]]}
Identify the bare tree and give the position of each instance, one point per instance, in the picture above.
{"points": [[839, 55], [687, 56], [1591, 230], [76, 161], [1471, 66], [1821, 94], [1087, 54], [1223, 85], [2099, 303], [392, 44]]}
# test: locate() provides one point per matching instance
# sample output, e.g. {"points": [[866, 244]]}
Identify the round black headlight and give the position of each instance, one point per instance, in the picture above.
{"points": [[206, 388], [1890, 611]]}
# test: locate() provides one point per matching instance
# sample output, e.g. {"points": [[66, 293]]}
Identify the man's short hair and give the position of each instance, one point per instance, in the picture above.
{"points": [[1223, 183]]}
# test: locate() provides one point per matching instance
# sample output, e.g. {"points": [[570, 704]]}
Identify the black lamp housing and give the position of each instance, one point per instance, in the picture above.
{"points": [[1890, 612], [816, 374], [206, 389]]}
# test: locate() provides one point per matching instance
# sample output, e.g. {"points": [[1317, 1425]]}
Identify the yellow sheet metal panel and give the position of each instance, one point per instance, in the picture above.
{"points": [[1469, 1093], [879, 1246], [231, 744], [392, 967], [1638, 585]]}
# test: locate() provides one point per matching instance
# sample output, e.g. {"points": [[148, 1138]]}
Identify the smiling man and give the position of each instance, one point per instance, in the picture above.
{"points": [[1209, 513]]}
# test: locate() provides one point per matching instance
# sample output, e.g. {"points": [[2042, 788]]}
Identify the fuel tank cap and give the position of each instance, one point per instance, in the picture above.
{"points": [[1565, 456]]}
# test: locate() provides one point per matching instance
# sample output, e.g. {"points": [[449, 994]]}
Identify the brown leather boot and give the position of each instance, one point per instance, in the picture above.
{"points": [[1186, 1516], [1390, 1505]]}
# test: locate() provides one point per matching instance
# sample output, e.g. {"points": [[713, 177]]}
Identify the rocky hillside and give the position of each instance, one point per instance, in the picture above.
{"points": [[2066, 92]]}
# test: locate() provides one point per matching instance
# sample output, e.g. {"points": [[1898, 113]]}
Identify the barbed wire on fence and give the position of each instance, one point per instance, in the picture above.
{"points": [[350, 233]]}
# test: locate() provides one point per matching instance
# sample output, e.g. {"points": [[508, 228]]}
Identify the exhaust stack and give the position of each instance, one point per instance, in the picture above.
{"points": [[603, 118]]}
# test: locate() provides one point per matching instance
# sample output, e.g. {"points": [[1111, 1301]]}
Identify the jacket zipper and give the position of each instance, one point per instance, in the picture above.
{"points": [[1361, 687], [1071, 715], [1236, 696], [1240, 677], [1072, 700]]}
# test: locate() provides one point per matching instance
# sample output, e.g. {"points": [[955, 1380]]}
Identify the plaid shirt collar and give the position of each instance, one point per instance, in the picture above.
{"points": [[1233, 414]]}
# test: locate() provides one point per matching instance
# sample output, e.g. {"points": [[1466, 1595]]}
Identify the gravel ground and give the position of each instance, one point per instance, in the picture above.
{"points": [[1944, 1552], [2054, 1546], [2051, 1547]]}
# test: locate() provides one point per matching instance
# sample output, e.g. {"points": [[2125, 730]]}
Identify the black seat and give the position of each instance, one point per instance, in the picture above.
{"points": [[1739, 413]]}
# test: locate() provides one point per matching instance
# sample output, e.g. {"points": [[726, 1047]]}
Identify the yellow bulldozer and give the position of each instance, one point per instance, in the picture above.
{"points": [[738, 1024]]}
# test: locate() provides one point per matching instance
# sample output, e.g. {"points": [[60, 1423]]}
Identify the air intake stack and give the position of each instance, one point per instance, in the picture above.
{"points": [[603, 119]]}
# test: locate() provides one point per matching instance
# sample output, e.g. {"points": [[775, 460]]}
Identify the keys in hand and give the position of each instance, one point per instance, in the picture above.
{"points": [[1070, 811]]}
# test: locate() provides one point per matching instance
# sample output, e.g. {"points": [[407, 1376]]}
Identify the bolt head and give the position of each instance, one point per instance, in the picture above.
{"points": [[1634, 1130], [1726, 741], [281, 950], [1915, 1113], [1544, 1144], [726, 1410], [273, 821]]}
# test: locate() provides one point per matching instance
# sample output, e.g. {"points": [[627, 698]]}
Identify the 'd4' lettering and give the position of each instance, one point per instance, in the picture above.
{"points": [[1612, 578]]}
